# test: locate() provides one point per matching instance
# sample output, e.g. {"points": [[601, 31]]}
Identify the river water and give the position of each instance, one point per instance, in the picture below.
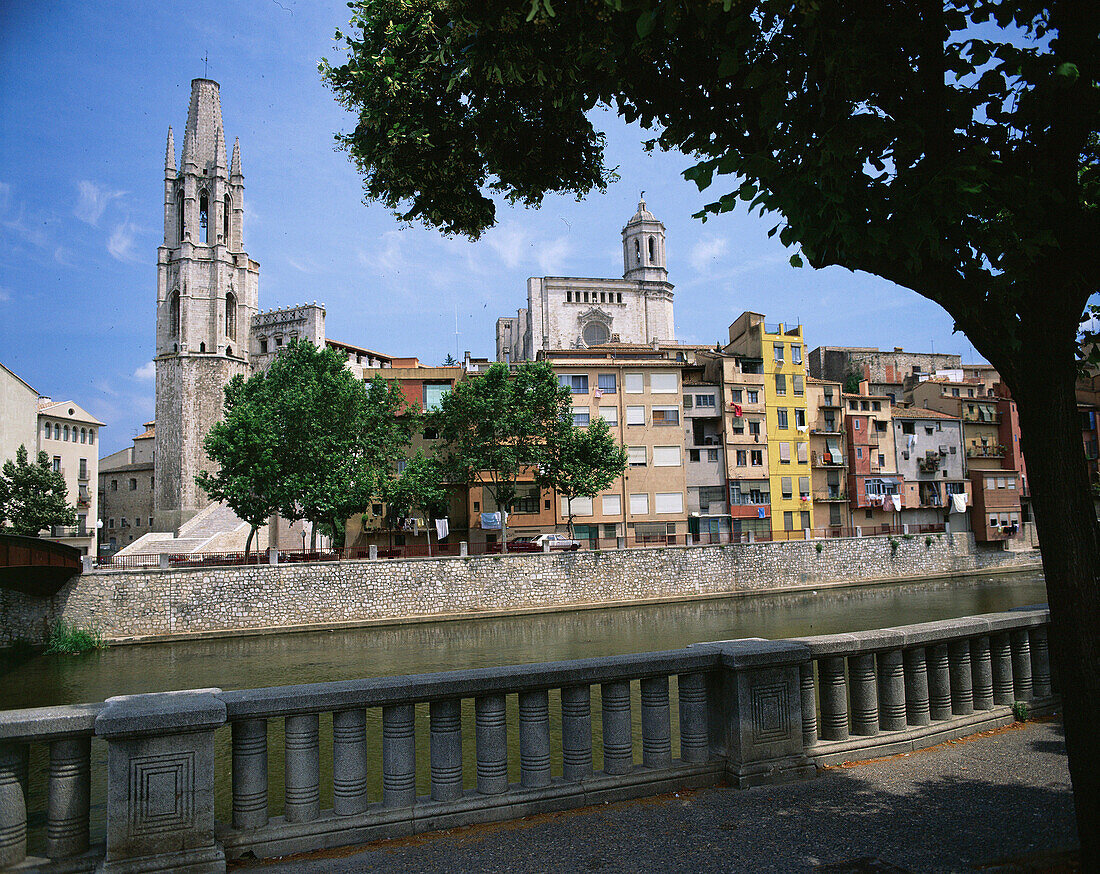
{"points": [[37, 679]]}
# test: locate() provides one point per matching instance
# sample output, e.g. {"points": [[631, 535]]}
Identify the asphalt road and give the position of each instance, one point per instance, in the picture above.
{"points": [[999, 801]]}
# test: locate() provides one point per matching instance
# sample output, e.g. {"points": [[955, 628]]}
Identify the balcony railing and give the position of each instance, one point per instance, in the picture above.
{"points": [[877, 692], [830, 494], [985, 451], [826, 459], [68, 531]]}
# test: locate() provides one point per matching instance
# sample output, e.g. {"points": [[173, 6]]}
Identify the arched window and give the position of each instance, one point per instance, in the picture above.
{"points": [[226, 209], [174, 314], [202, 347], [595, 333], [83, 435], [229, 351], [637, 252], [91, 435], [56, 432], [204, 217], [652, 251], [48, 432], [231, 316], [179, 217], [66, 433]]}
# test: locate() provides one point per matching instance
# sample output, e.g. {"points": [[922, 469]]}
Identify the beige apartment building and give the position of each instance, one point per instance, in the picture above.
{"points": [[638, 390], [968, 400], [126, 483], [828, 460], [745, 435], [69, 435]]}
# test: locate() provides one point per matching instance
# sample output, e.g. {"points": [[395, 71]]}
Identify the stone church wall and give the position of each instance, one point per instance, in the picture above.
{"points": [[133, 604]]}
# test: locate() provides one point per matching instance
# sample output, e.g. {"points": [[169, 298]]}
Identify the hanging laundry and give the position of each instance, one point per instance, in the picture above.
{"points": [[737, 410], [490, 521], [442, 529], [896, 501], [958, 503]]}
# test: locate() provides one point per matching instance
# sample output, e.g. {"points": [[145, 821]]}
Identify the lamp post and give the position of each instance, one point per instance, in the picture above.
{"points": [[303, 542]]}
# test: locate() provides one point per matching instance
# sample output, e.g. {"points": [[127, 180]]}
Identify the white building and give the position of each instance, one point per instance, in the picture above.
{"points": [[573, 312]]}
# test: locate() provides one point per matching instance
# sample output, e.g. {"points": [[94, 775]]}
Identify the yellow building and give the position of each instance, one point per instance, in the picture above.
{"points": [[783, 353]]}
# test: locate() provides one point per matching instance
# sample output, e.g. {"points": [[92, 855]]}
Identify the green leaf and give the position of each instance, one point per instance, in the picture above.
{"points": [[796, 261], [646, 22]]}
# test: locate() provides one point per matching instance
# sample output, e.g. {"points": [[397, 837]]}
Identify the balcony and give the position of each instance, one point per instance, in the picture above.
{"points": [[985, 452], [826, 459], [837, 494], [750, 511], [827, 430], [68, 531]]}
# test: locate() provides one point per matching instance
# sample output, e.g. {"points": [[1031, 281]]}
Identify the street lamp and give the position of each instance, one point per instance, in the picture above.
{"points": [[303, 541]]}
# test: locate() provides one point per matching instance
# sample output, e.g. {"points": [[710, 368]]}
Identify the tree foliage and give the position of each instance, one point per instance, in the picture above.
{"points": [[495, 429], [582, 462], [33, 496], [243, 445], [950, 148]]}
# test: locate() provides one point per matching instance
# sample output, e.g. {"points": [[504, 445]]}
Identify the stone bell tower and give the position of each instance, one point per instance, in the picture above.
{"points": [[207, 294]]}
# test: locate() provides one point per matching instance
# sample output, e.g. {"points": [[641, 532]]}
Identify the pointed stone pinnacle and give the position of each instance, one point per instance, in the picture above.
{"points": [[170, 153], [235, 170]]}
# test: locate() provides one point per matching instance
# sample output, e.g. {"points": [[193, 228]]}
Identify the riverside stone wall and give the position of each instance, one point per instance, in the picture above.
{"points": [[147, 603]]}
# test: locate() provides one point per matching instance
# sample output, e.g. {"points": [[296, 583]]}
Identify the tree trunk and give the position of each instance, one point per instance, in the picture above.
{"points": [[312, 536], [248, 542], [569, 521], [1070, 542], [503, 531]]}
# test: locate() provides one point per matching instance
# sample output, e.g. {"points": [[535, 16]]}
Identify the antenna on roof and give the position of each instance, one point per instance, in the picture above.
{"points": [[206, 66]]}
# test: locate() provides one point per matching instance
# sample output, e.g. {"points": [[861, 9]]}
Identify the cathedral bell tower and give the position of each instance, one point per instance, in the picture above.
{"points": [[207, 294], [644, 247]]}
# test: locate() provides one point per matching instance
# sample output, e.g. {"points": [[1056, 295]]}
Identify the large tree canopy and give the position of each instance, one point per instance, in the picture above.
{"points": [[951, 148], [33, 496]]}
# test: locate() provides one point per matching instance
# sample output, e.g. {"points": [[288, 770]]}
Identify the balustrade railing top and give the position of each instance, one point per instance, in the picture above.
{"points": [[745, 711]]}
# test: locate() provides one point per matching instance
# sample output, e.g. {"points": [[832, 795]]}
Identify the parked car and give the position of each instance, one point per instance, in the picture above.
{"points": [[558, 543]]}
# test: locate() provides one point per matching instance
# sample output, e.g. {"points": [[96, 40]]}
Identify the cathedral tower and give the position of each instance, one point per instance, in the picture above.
{"points": [[644, 247], [207, 294]]}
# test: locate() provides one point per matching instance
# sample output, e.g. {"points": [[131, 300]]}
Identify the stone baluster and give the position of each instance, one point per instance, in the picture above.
{"points": [[1021, 665], [891, 690], [1000, 646], [939, 681], [398, 755], [981, 672], [446, 749], [69, 796], [962, 682], [808, 693], [1040, 661], [694, 726], [834, 698], [656, 730], [491, 735], [618, 742], [302, 768], [861, 673], [13, 804], [534, 739], [576, 732], [349, 762], [250, 773], [916, 687]]}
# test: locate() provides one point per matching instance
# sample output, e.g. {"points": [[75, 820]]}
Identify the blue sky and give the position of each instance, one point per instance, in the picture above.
{"points": [[89, 92]]}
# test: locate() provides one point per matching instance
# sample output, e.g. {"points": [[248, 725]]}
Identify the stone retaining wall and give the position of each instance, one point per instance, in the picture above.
{"points": [[195, 601]]}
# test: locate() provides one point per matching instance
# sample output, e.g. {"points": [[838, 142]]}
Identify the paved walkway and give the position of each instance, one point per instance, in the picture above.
{"points": [[999, 801]]}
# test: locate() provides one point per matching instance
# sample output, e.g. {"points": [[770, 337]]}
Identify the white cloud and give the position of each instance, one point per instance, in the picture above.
{"points": [[121, 242], [146, 372], [705, 252], [93, 201], [509, 242], [552, 256]]}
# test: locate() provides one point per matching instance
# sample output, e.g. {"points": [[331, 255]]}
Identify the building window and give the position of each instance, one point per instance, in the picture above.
{"points": [[704, 401], [666, 456], [757, 457], [83, 435], [781, 419], [612, 505], [231, 316], [908, 428], [634, 383], [778, 348], [666, 415], [804, 487], [636, 456], [180, 228], [91, 435], [610, 415], [652, 251], [580, 417], [788, 520], [227, 208], [753, 396], [263, 345], [859, 452], [133, 484], [693, 455], [596, 334], [852, 405], [433, 395], [57, 464], [742, 458], [754, 427], [606, 383], [788, 489], [796, 353], [784, 453], [577, 383], [639, 505], [856, 424], [635, 415], [780, 384], [174, 314], [799, 384], [66, 432], [111, 522], [83, 468], [712, 455], [204, 217], [668, 502], [735, 396], [114, 485], [800, 418], [47, 434], [805, 518], [664, 383]]}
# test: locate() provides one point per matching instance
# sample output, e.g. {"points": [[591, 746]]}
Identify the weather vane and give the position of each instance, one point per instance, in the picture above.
{"points": [[206, 66], [642, 196]]}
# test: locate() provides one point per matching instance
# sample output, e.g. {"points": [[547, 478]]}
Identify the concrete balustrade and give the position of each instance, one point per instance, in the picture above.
{"points": [[748, 714]]}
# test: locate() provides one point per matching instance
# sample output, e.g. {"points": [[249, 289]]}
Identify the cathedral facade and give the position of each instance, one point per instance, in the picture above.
{"points": [[571, 312]]}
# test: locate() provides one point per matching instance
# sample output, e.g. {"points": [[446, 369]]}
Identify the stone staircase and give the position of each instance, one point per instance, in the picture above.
{"points": [[213, 529]]}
